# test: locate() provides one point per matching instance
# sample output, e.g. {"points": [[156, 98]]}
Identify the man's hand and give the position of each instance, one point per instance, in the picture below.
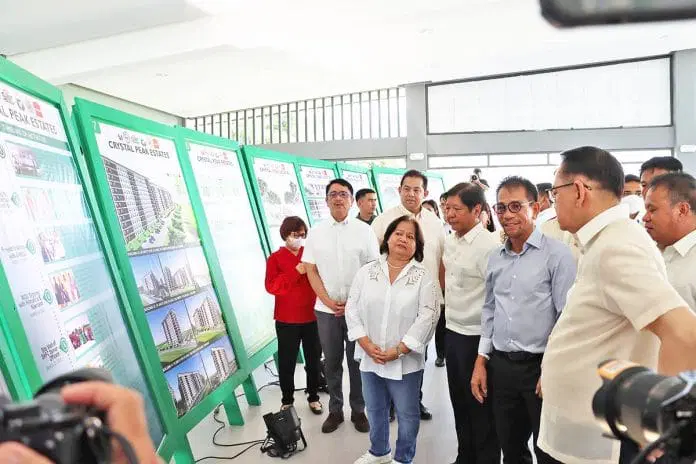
{"points": [[301, 269], [538, 389], [479, 380], [14, 453], [125, 414], [339, 309], [372, 350]]}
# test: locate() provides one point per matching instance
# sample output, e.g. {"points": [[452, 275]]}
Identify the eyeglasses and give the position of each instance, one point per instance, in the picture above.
{"points": [[341, 195], [552, 190], [513, 207], [298, 234]]}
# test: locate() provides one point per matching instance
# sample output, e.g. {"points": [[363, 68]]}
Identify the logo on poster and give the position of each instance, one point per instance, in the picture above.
{"points": [[31, 247], [48, 296], [15, 199], [64, 345], [25, 111]]}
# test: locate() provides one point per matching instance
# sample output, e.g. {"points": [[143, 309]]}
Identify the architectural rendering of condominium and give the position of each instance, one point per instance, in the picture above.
{"points": [[139, 202], [221, 361], [207, 315], [172, 330], [191, 385]]}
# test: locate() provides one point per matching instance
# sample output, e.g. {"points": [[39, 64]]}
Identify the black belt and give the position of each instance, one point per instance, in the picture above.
{"points": [[519, 356]]}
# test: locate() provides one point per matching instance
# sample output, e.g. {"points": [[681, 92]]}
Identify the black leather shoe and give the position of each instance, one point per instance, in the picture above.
{"points": [[425, 413], [360, 422], [332, 422], [440, 362]]}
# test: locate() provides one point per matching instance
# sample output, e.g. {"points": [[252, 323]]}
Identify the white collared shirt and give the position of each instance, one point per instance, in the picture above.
{"points": [[680, 259], [433, 234], [466, 260], [546, 215], [621, 287], [339, 250], [389, 313]]}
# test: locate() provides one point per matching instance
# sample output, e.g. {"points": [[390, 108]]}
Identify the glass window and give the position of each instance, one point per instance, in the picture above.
{"points": [[284, 125], [619, 95], [357, 115], [216, 125], [292, 118], [268, 135], [393, 113], [457, 161], [374, 115], [526, 159], [384, 121], [224, 126], [347, 117], [311, 122], [402, 112], [208, 125], [301, 122], [258, 126], [337, 118], [328, 120], [319, 115]]}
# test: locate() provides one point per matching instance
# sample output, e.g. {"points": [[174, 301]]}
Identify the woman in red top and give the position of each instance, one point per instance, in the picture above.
{"points": [[286, 278]]}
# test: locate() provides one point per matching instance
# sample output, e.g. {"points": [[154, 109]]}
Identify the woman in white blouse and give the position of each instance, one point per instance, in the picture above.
{"points": [[392, 312]]}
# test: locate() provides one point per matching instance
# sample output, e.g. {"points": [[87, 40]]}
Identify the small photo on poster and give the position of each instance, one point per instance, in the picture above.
{"points": [[219, 361], [188, 384], [24, 161], [176, 272], [38, 204], [80, 334], [51, 243], [206, 317], [150, 279], [199, 267], [65, 288], [171, 329]]}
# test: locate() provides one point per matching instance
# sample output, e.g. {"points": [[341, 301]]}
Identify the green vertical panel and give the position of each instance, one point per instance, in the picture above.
{"points": [[314, 176], [220, 188], [359, 178], [277, 191], [176, 303], [387, 181], [59, 300]]}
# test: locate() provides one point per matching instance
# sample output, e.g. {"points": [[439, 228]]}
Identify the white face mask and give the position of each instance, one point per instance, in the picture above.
{"points": [[295, 243]]}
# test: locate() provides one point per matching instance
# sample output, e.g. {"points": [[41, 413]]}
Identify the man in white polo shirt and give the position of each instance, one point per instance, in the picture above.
{"points": [[334, 252], [465, 258], [413, 190], [621, 306], [671, 221]]}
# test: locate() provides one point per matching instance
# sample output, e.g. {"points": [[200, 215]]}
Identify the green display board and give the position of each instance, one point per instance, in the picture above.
{"points": [[436, 186], [61, 307], [168, 266], [359, 177], [314, 176], [387, 182], [277, 190], [219, 177]]}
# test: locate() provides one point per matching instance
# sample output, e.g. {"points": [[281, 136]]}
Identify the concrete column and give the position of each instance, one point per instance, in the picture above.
{"points": [[684, 108], [416, 126]]}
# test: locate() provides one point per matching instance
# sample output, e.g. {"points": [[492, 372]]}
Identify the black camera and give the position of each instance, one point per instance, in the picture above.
{"points": [[634, 403], [62, 432], [474, 177]]}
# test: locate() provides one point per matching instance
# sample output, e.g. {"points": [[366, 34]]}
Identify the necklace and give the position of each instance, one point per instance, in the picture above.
{"points": [[395, 267]]}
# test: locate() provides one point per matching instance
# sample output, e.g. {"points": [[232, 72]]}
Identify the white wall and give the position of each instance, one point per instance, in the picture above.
{"points": [[70, 91]]}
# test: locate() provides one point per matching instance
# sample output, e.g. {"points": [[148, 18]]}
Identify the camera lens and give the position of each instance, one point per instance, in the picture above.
{"points": [[630, 404]]}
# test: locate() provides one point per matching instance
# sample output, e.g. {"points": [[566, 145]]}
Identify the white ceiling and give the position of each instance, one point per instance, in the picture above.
{"points": [[195, 57]]}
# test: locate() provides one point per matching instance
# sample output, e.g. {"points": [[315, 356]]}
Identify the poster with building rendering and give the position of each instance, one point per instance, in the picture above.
{"points": [[166, 257], [388, 187], [221, 184], [314, 182], [280, 194], [51, 254]]}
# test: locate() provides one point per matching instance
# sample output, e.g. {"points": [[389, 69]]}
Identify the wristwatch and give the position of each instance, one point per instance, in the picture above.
{"points": [[399, 353]]}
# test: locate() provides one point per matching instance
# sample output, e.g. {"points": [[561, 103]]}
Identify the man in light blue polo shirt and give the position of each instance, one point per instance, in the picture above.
{"points": [[527, 282]]}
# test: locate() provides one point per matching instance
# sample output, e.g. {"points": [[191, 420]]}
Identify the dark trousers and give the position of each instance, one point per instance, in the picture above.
{"points": [[333, 334], [473, 421], [440, 331], [516, 407], [289, 338]]}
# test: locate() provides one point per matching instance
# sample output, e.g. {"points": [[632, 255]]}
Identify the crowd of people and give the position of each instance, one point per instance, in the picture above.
{"points": [[521, 317]]}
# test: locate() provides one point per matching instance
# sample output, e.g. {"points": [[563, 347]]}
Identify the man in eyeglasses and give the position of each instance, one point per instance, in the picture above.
{"points": [[334, 252], [622, 306], [527, 281]]}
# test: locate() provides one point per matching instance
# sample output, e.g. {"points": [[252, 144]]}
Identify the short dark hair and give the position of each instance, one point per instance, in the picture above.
{"points": [[415, 173], [477, 171], [433, 204], [362, 192], [631, 178], [342, 182], [596, 164], [681, 186], [543, 188], [420, 242], [469, 193], [668, 163], [292, 224], [519, 182], [443, 196]]}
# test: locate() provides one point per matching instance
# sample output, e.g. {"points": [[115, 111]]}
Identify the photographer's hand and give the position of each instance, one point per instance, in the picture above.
{"points": [[14, 453], [125, 414]]}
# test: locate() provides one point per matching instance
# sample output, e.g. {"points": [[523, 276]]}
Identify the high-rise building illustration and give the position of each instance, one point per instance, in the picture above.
{"points": [[221, 361], [177, 279], [139, 202], [172, 329], [151, 285], [191, 385], [207, 315]]}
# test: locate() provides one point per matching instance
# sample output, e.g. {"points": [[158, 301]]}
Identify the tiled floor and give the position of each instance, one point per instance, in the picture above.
{"points": [[436, 442]]}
